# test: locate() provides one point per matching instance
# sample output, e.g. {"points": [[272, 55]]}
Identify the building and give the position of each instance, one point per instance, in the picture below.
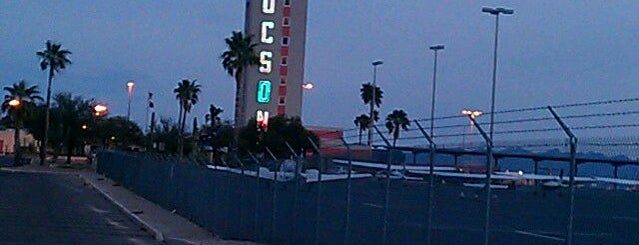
{"points": [[7, 144], [275, 86]]}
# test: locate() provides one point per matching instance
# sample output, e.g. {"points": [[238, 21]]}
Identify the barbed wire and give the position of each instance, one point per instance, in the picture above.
{"points": [[527, 120]]}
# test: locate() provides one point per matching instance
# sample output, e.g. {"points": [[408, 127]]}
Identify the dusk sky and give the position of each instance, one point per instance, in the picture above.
{"points": [[551, 52]]}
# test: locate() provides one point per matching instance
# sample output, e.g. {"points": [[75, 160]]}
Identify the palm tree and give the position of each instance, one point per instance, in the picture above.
{"points": [[214, 114], [55, 59], [187, 95], [366, 93], [395, 121], [71, 112], [27, 96], [363, 121], [239, 56]]}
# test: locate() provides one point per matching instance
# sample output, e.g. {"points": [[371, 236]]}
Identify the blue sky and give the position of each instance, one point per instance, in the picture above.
{"points": [[551, 52]]}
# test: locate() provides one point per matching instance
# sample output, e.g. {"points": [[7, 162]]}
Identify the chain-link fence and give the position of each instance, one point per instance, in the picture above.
{"points": [[347, 192]]}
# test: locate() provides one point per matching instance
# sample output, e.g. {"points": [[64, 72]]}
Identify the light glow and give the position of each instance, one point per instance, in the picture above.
{"points": [[266, 59], [100, 109], [308, 86], [264, 91], [14, 102], [265, 37], [268, 6], [471, 113], [262, 119]]}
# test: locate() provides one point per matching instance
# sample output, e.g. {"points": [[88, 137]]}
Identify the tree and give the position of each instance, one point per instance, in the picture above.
{"points": [[119, 132], [239, 56], [166, 134], [395, 121], [363, 121], [281, 129], [71, 114], [214, 115], [366, 93], [55, 59], [27, 97], [187, 95]]}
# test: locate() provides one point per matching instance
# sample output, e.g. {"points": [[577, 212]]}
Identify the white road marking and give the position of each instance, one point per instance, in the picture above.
{"points": [[97, 210], [539, 235], [372, 205]]}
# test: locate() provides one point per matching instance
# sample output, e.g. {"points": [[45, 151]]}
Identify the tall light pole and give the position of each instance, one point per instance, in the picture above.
{"points": [[15, 103], [373, 104], [432, 155], [129, 86], [496, 12]]}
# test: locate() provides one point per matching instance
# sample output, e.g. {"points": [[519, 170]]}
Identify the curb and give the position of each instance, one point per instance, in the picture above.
{"points": [[12, 170], [156, 233]]}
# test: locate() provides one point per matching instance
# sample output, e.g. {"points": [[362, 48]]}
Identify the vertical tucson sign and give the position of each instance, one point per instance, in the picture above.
{"points": [[274, 87]]}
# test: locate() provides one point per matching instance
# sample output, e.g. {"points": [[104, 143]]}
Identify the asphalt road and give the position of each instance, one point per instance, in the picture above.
{"points": [[59, 209]]}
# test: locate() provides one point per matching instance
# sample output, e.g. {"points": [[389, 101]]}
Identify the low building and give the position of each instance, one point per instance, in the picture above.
{"points": [[7, 145]]}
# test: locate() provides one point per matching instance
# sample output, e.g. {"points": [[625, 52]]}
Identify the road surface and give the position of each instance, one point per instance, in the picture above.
{"points": [[38, 208]]}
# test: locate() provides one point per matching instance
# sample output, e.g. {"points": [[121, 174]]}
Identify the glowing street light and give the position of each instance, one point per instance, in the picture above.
{"points": [[100, 109], [473, 114], [129, 86], [84, 127], [14, 102], [308, 86]]}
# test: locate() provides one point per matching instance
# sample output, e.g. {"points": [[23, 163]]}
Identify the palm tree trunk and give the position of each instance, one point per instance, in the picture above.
{"points": [[16, 143], [180, 131], [238, 119], [395, 135], [43, 146], [371, 122], [360, 135]]}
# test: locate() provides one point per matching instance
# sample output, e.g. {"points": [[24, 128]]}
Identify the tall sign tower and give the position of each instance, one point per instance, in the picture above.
{"points": [[274, 87]]}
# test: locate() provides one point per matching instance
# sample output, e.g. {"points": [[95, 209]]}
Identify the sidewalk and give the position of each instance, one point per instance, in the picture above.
{"points": [[160, 223]]}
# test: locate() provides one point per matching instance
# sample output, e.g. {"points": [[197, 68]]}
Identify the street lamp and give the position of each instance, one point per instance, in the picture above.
{"points": [[473, 114], [432, 145], [496, 12], [100, 110], [15, 103], [129, 86], [374, 92], [308, 86]]}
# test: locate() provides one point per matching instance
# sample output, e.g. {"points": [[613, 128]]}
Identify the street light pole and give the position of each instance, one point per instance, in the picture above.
{"points": [[374, 92], [16, 103], [489, 168], [432, 152], [496, 12], [129, 86]]}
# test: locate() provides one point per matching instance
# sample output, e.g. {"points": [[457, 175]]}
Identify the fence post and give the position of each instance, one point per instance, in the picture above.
{"points": [[347, 228], [273, 214], [387, 194], [489, 170], [295, 190], [257, 195], [431, 184], [319, 190], [241, 201], [573, 171]]}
